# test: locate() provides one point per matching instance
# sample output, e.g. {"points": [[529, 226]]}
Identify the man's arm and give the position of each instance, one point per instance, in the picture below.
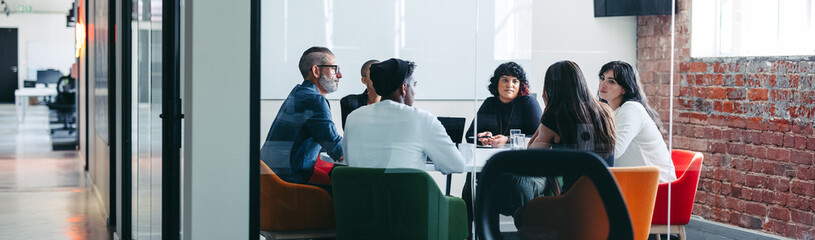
{"points": [[544, 138], [323, 131], [439, 147]]}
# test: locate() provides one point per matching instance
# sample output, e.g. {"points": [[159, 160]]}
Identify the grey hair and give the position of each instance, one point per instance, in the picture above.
{"points": [[313, 56]]}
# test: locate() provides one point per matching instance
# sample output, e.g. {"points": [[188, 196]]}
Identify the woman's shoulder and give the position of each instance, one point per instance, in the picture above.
{"points": [[632, 106], [491, 99], [489, 103], [525, 99]]}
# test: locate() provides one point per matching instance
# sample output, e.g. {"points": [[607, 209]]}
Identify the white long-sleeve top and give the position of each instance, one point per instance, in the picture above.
{"points": [[393, 135], [639, 142]]}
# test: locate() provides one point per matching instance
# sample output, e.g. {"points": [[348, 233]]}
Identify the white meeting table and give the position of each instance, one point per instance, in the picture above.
{"points": [[20, 104], [474, 159]]}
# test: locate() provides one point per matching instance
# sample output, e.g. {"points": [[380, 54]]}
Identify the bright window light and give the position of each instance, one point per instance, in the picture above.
{"points": [[724, 28], [513, 29]]}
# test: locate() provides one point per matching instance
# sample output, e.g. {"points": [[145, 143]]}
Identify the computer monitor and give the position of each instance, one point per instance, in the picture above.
{"points": [[49, 76]]}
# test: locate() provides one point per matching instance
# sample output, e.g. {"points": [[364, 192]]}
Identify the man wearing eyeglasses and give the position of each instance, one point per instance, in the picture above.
{"points": [[303, 124]]}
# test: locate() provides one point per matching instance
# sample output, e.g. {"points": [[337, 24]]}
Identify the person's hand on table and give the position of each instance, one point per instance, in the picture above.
{"points": [[485, 138], [499, 140]]}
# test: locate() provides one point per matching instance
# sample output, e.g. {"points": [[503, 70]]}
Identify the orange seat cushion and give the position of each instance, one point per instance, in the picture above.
{"points": [[288, 207]]}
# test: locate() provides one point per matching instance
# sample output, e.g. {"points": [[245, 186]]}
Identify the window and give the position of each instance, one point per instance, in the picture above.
{"points": [[752, 28]]}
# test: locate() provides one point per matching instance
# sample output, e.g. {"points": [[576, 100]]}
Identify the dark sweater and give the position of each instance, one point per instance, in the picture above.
{"points": [[350, 103], [522, 113], [579, 136]]}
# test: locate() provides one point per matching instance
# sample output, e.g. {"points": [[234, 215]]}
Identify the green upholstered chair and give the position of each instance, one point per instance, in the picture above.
{"points": [[377, 203]]}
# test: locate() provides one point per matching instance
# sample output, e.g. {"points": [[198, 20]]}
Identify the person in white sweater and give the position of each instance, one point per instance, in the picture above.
{"points": [[639, 140], [394, 134]]}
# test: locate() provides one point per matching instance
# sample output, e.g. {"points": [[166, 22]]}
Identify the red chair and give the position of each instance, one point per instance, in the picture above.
{"points": [[688, 166]]}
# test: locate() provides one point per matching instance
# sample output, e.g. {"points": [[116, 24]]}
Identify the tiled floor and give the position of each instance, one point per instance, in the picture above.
{"points": [[43, 194]]}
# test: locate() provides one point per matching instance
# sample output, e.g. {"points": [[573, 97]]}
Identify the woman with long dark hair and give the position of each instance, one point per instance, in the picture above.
{"points": [[573, 118], [639, 141]]}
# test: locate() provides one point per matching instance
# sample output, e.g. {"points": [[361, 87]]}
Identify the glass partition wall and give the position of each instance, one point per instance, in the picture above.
{"points": [[480, 68], [147, 129]]}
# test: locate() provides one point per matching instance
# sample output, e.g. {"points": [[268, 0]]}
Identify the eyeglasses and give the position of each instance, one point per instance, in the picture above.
{"points": [[336, 67]]}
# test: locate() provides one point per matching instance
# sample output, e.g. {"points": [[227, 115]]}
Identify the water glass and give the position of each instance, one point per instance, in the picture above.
{"points": [[512, 133], [518, 141]]}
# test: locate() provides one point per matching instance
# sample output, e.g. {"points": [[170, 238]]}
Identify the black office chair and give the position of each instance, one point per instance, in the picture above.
{"points": [[555, 217], [65, 103]]}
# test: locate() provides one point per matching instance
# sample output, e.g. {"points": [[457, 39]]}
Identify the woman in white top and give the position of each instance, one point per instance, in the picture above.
{"points": [[639, 140]]}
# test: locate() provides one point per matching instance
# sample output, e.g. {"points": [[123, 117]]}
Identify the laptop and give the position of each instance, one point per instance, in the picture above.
{"points": [[455, 129]]}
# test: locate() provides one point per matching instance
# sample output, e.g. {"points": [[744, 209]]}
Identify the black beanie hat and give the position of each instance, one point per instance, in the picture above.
{"points": [[388, 76]]}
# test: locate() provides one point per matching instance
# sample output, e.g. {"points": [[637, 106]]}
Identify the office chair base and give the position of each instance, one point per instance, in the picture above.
{"points": [[303, 234], [675, 229]]}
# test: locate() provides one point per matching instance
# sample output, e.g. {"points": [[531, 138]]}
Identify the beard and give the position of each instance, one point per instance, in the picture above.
{"points": [[327, 84]]}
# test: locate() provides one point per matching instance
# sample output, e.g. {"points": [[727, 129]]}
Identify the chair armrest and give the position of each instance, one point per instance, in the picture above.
{"points": [[457, 212], [291, 206]]}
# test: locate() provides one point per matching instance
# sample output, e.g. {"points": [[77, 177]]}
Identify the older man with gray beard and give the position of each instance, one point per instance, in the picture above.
{"points": [[303, 124]]}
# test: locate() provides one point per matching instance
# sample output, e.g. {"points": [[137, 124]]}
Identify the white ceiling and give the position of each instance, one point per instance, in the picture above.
{"points": [[41, 6]]}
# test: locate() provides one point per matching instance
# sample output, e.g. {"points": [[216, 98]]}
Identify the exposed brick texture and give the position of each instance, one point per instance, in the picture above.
{"points": [[753, 119]]}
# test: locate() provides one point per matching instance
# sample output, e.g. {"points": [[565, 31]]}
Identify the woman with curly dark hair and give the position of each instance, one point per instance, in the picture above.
{"points": [[510, 107]]}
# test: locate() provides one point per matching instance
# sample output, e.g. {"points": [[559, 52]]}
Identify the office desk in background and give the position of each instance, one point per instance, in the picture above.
{"points": [[21, 104]]}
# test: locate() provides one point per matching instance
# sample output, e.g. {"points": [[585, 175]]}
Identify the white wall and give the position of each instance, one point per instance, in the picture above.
{"points": [[455, 43], [216, 114], [568, 30], [43, 42]]}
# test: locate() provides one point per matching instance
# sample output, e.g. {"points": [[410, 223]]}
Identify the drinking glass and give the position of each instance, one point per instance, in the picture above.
{"points": [[512, 133], [518, 141]]}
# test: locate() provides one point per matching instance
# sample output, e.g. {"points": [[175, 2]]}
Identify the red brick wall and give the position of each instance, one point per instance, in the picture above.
{"points": [[753, 120]]}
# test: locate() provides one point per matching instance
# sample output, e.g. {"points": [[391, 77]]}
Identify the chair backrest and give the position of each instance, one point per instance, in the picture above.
{"points": [[577, 214], [378, 203], [639, 188], [269, 175], [683, 190], [682, 160], [597, 183], [289, 207]]}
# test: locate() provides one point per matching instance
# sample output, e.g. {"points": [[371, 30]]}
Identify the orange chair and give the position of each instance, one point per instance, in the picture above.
{"points": [[639, 188], [292, 211], [688, 166]]}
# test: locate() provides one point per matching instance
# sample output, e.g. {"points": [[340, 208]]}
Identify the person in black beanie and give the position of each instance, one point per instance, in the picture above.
{"points": [[392, 133]]}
